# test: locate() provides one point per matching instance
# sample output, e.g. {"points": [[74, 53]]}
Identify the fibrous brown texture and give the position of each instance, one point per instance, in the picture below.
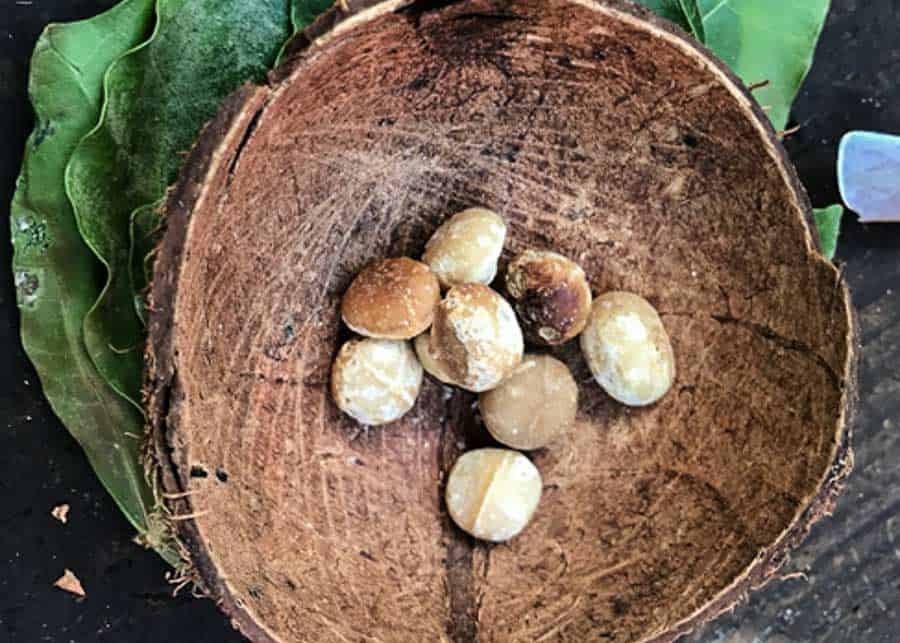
{"points": [[597, 132]]}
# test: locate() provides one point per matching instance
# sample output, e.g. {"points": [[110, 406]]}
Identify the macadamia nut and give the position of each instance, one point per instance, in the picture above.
{"points": [[434, 368], [391, 299], [551, 295], [376, 381], [476, 337], [533, 406], [493, 493], [465, 249], [628, 349]]}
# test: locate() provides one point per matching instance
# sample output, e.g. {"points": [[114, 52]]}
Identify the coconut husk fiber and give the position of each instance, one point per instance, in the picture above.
{"points": [[596, 131]]}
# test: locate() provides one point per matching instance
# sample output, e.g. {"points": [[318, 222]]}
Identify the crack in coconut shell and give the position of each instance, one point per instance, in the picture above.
{"points": [[568, 117]]}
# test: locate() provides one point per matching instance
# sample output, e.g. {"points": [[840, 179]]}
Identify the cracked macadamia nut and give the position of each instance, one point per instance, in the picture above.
{"points": [[493, 493], [391, 299], [533, 406], [476, 338], [376, 381], [628, 350], [465, 249], [422, 344], [551, 295]]}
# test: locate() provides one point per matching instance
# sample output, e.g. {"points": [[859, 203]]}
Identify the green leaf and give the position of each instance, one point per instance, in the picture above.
{"points": [[758, 43], [692, 13], [157, 99], [828, 222], [763, 43], [152, 105], [304, 12], [684, 13], [55, 274]]}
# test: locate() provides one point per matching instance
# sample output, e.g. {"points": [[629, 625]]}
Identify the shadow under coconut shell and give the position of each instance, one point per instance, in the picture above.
{"points": [[622, 149]]}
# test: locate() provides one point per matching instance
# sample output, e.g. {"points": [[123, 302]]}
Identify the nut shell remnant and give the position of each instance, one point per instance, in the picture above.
{"points": [[426, 357], [465, 249], [376, 381], [391, 299], [476, 337], [533, 406], [628, 349], [493, 493], [551, 295]]}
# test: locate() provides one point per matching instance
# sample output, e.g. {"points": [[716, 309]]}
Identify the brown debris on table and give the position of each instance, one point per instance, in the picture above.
{"points": [[61, 513], [69, 582]]}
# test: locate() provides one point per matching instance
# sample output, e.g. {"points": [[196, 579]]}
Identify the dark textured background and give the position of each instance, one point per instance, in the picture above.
{"points": [[848, 588]]}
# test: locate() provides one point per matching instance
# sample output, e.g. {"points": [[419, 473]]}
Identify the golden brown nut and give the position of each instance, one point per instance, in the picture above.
{"points": [[476, 338], [433, 367], [628, 349], [391, 299], [533, 406], [376, 381], [551, 295], [493, 493], [465, 249]]}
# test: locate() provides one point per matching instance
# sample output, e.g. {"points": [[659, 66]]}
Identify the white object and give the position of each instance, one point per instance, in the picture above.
{"points": [[869, 175]]}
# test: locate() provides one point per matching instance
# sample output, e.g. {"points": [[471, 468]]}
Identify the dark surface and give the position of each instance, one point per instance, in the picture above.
{"points": [[848, 589]]}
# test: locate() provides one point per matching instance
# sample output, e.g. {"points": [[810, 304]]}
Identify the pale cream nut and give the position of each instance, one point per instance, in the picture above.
{"points": [[628, 350], [376, 381], [466, 248], [476, 337], [532, 407], [433, 367], [492, 494]]}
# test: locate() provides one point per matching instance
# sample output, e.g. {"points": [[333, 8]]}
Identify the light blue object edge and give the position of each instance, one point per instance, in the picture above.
{"points": [[846, 140]]}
